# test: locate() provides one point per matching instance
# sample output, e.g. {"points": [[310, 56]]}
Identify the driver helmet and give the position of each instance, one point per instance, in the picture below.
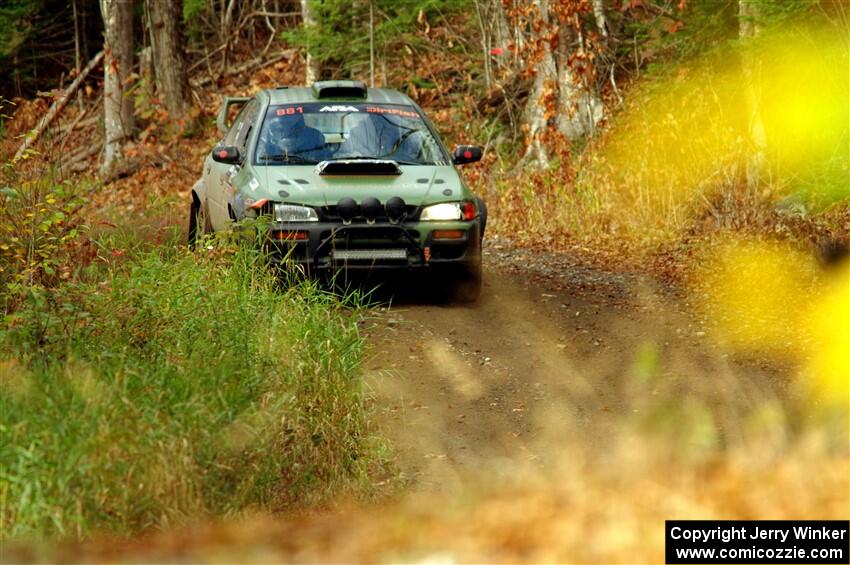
{"points": [[286, 126]]}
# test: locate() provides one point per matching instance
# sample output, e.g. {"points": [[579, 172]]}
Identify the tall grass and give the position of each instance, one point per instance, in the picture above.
{"points": [[178, 385]]}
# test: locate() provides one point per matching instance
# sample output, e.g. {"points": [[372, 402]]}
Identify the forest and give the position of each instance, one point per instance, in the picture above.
{"points": [[658, 331]]}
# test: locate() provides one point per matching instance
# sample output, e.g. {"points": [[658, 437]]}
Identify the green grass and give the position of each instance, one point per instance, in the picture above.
{"points": [[177, 385]]}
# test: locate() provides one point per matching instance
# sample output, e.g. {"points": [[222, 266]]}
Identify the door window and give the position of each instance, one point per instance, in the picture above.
{"points": [[241, 124]]}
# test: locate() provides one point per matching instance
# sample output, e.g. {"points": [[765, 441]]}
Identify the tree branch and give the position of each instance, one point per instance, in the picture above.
{"points": [[57, 106]]}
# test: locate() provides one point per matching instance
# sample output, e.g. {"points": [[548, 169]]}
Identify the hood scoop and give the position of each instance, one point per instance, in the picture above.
{"points": [[358, 167]]}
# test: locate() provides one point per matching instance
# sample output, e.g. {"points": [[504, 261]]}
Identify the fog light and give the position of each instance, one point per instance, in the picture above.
{"points": [[371, 207], [290, 235], [395, 208], [448, 234], [346, 208]]}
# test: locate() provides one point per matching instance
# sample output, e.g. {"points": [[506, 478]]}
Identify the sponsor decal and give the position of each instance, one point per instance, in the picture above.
{"points": [[289, 111], [392, 111], [338, 109]]}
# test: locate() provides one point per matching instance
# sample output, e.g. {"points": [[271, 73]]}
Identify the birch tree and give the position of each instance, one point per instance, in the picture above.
{"points": [[538, 109], [579, 104], [314, 69], [563, 99], [117, 67]]}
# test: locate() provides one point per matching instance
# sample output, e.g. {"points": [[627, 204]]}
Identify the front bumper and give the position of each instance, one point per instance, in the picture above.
{"points": [[330, 246]]}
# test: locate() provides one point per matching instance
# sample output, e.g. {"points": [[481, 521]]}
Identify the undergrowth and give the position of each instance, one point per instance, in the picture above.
{"points": [[173, 385]]}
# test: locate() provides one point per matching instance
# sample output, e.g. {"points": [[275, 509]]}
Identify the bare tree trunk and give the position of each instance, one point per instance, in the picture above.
{"points": [[563, 94], [485, 47], [502, 33], [77, 61], [371, 44], [579, 106], [599, 17], [225, 29], [147, 81], [748, 14], [535, 116], [169, 63], [118, 64], [84, 53], [314, 69]]}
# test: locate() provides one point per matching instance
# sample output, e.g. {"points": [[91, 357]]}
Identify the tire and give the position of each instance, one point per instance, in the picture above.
{"points": [[199, 222], [482, 212], [466, 286]]}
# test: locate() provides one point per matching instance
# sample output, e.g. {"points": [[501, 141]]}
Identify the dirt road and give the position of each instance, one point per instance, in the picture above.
{"points": [[561, 419], [554, 356]]}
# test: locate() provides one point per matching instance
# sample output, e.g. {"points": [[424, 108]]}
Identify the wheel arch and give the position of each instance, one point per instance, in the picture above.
{"points": [[199, 193]]}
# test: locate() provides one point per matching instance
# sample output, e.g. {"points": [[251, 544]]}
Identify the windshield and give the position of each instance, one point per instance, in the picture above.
{"points": [[297, 134]]}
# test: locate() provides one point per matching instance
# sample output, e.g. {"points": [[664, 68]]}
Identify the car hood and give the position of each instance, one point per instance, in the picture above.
{"points": [[417, 185]]}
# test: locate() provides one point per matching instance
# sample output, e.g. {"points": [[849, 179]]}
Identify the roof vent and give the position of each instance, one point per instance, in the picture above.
{"points": [[340, 89]]}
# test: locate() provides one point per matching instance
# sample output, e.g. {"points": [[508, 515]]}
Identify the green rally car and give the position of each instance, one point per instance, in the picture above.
{"points": [[351, 178]]}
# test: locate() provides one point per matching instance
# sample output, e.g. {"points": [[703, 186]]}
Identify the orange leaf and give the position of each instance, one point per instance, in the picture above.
{"points": [[675, 26]]}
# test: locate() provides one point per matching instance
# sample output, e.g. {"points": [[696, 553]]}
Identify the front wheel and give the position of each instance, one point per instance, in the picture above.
{"points": [[199, 222], [466, 286]]}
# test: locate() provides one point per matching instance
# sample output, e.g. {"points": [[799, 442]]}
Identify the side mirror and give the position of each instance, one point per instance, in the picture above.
{"points": [[227, 154], [466, 154]]}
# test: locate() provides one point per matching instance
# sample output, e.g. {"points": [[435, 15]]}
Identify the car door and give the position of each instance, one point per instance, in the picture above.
{"points": [[219, 176]]}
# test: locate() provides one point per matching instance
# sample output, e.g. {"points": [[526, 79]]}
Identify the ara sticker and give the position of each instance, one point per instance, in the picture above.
{"points": [[254, 184], [338, 109]]}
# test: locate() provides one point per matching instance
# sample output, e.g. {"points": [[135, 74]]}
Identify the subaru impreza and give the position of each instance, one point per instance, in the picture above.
{"points": [[350, 178]]}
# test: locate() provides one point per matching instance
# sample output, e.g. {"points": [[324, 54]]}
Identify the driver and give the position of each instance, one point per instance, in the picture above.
{"points": [[291, 135], [377, 136]]}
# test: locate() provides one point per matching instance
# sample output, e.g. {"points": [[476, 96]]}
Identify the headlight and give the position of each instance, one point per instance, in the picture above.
{"points": [[442, 211], [292, 213]]}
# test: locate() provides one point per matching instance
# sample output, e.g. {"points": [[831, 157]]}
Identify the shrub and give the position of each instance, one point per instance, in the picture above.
{"points": [[40, 225]]}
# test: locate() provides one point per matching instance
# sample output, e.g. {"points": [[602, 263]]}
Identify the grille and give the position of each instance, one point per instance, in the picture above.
{"points": [[370, 236], [369, 254]]}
